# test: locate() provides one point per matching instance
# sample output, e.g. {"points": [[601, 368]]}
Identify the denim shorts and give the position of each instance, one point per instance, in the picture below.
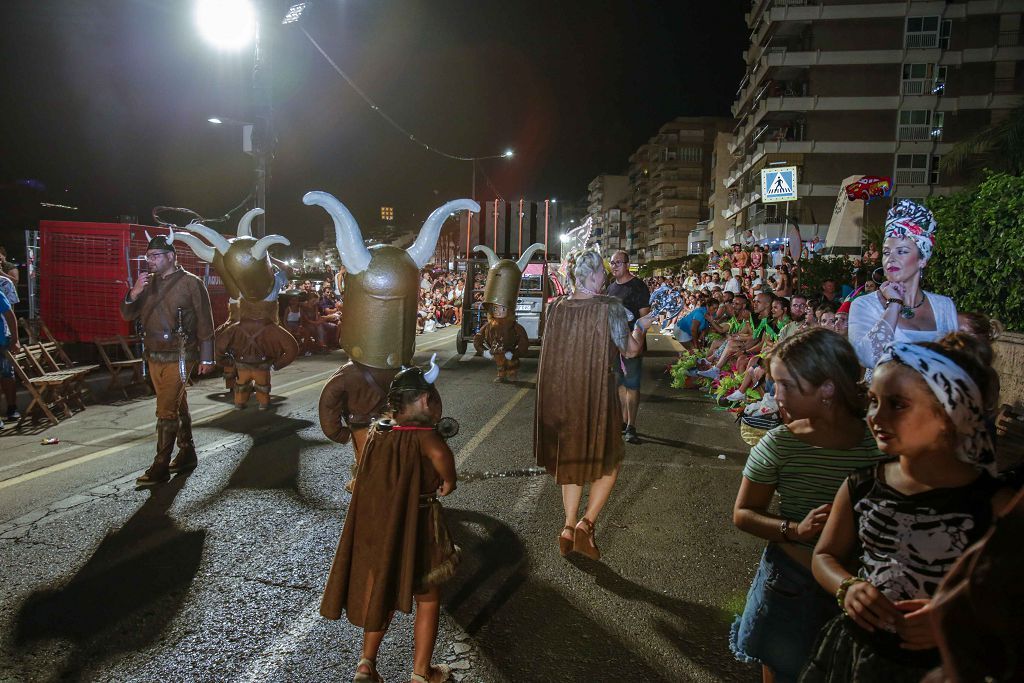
{"points": [[785, 610], [634, 371]]}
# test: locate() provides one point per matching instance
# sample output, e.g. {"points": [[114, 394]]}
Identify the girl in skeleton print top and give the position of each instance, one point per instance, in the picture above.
{"points": [[897, 528]]}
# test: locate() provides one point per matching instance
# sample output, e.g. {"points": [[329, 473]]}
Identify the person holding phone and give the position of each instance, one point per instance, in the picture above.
{"points": [[173, 308]]}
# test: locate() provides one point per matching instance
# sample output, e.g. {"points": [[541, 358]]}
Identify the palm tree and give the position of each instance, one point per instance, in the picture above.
{"points": [[999, 147]]}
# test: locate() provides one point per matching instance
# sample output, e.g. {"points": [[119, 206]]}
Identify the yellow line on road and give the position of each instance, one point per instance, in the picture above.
{"points": [[485, 431], [57, 467]]}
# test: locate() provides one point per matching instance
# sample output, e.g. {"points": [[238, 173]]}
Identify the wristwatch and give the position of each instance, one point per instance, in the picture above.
{"points": [[784, 529]]}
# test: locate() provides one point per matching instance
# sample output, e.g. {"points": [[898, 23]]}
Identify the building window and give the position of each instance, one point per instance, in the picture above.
{"points": [[933, 173], [944, 31], [690, 153], [912, 169], [923, 32], [920, 125], [917, 79]]}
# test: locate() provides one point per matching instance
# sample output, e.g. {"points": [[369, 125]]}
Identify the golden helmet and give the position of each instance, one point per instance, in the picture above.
{"points": [[242, 262], [504, 275], [382, 285]]}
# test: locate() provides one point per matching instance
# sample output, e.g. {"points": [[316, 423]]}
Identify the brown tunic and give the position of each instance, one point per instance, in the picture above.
{"points": [[354, 396], [258, 343], [577, 433], [395, 542], [157, 309], [499, 335]]}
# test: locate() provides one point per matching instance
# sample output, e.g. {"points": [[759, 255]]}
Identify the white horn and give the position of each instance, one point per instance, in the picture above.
{"points": [[423, 248], [347, 236], [211, 235], [492, 258], [259, 250], [528, 254], [245, 225], [203, 250], [431, 374], [149, 238]]}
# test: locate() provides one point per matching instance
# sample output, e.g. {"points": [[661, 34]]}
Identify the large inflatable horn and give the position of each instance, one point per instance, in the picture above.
{"points": [[245, 224], [354, 254], [203, 250], [431, 374], [528, 254], [423, 248], [492, 258], [259, 250], [211, 235]]}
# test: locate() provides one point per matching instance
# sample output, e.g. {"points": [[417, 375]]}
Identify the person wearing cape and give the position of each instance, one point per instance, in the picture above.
{"points": [[379, 329], [502, 338], [395, 544]]}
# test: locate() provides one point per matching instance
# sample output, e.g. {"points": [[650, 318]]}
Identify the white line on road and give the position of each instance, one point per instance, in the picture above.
{"points": [[485, 431], [310, 382]]}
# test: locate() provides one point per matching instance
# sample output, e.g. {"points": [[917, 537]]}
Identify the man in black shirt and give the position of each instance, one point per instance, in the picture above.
{"points": [[637, 299]]}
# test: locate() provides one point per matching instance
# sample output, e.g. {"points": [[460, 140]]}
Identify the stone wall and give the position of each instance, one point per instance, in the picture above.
{"points": [[1009, 363]]}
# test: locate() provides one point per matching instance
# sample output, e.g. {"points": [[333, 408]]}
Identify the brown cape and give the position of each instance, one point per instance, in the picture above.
{"points": [[577, 432], [394, 543]]}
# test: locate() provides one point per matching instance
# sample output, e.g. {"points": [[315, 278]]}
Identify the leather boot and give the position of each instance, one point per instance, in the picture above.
{"points": [[158, 473], [186, 458]]}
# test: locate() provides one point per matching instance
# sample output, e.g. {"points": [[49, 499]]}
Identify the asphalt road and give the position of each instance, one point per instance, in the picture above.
{"points": [[217, 576]]}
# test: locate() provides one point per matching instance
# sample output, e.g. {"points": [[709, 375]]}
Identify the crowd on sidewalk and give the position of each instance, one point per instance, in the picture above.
{"points": [[873, 418]]}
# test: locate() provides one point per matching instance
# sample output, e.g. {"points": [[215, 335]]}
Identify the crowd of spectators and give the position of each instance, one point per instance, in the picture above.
{"points": [[440, 300], [871, 409]]}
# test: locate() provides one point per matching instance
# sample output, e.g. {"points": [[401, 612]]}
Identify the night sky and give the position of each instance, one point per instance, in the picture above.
{"points": [[108, 101]]}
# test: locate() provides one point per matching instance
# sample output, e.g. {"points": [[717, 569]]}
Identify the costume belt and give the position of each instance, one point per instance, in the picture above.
{"points": [[191, 356]]}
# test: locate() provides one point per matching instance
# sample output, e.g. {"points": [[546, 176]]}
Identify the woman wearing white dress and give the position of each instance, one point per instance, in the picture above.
{"points": [[900, 311]]}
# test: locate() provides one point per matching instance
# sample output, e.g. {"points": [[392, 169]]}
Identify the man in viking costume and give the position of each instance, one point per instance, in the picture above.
{"points": [[379, 330], [173, 308], [502, 338], [395, 544], [255, 343]]}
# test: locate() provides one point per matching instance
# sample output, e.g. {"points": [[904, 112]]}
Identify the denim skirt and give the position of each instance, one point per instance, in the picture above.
{"points": [[785, 610]]}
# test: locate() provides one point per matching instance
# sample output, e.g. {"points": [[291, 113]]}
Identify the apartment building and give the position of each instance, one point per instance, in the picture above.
{"points": [[875, 87], [713, 232], [670, 181], [606, 208]]}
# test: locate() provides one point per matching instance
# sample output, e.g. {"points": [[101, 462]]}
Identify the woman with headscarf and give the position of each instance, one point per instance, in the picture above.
{"points": [[900, 311], [578, 423], [896, 528]]}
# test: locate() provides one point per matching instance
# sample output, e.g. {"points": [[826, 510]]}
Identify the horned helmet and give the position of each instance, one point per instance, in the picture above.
{"points": [[242, 262], [382, 286], [504, 275]]}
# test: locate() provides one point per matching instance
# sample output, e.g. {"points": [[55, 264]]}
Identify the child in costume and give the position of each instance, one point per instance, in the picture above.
{"points": [[501, 337], [395, 543]]}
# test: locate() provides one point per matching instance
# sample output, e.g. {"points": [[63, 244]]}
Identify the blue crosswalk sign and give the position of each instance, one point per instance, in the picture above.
{"points": [[778, 184]]}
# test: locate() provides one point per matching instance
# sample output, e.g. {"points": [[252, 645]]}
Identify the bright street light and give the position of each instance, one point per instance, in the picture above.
{"points": [[508, 154], [564, 238], [214, 119], [226, 24]]}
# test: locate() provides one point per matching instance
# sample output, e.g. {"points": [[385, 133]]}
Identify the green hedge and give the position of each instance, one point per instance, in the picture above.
{"points": [[979, 257]]}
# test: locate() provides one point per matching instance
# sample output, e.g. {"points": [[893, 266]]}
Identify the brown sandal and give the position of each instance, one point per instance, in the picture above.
{"points": [[583, 540], [369, 677], [438, 673], [565, 544]]}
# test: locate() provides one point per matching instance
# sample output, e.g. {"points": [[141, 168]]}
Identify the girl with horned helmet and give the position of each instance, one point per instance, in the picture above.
{"points": [[395, 544]]}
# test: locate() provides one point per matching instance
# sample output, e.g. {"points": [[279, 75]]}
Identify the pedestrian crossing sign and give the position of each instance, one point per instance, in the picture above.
{"points": [[778, 184]]}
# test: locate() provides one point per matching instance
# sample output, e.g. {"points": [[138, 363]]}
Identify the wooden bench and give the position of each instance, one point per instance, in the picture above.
{"points": [[117, 355]]}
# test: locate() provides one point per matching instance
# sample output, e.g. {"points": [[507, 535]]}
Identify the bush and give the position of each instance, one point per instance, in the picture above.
{"points": [[978, 260]]}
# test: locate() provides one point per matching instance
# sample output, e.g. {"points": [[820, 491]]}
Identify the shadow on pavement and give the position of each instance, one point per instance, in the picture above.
{"points": [[700, 633], [524, 627], [119, 601]]}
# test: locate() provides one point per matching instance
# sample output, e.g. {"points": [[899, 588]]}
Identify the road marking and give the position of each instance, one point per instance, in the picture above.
{"points": [[310, 382], [485, 431]]}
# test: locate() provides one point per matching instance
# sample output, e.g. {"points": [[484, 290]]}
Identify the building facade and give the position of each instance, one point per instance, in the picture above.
{"points": [[606, 203], [670, 183], [840, 88]]}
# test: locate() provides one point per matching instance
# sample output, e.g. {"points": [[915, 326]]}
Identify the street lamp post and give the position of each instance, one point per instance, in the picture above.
{"points": [[507, 154]]}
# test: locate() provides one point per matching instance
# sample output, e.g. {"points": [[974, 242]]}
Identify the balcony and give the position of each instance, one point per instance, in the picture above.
{"points": [[911, 176], [918, 41], [1004, 85], [1009, 38], [916, 86], [918, 133]]}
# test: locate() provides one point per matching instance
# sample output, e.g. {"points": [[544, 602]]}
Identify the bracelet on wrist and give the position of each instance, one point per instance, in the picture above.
{"points": [[784, 530], [889, 302], [844, 587]]}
